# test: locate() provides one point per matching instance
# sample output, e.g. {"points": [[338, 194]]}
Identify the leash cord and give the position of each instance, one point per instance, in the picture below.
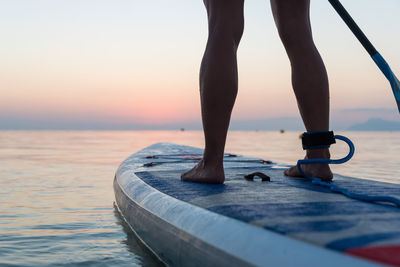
{"points": [[337, 189]]}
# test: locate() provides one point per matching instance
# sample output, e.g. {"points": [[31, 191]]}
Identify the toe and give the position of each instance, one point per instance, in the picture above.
{"points": [[292, 172], [286, 172], [185, 175]]}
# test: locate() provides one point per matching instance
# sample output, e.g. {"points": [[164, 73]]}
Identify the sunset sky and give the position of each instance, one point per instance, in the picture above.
{"points": [[137, 62]]}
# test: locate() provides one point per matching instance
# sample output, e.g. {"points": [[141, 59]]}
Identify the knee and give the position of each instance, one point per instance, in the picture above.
{"points": [[295, 36], [225, 19], [293, 22]]}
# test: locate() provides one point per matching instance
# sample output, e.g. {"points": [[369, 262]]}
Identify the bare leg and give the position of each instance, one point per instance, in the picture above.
{"points": [[218, 86], [309, 78]]}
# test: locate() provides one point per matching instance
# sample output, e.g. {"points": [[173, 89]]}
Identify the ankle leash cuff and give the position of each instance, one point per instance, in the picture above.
{"points": [[318, 139]]}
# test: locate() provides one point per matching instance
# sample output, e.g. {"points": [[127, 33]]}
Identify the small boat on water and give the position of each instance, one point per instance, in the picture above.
{"points": [[247, 222]]}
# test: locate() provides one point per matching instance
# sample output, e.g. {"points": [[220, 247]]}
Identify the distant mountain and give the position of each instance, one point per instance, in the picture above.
{"points": [[376, 124]]}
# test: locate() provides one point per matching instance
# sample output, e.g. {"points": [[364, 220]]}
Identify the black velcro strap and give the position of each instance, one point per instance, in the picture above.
{"points": [[314, 140]]}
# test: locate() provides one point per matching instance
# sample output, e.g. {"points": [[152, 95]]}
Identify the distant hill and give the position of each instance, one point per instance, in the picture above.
{"points": [[376, 124]]}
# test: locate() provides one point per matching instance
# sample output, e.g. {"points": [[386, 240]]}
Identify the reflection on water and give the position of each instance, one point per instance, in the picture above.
{"points": [[56, 194]]}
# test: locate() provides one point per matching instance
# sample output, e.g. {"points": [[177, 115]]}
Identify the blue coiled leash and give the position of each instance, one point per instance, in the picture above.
{"points": [[336, 189]]}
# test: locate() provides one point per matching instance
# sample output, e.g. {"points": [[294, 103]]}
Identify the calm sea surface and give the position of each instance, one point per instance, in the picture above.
{"points": [[56, 195]]}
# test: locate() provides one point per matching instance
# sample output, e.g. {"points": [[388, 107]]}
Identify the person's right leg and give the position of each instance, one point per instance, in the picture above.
{"points": [[218, 86], [309, 78]]}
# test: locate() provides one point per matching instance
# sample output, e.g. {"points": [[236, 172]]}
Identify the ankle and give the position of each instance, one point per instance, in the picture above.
{"points": [[318, 153], [211, 161], [212, 157]]}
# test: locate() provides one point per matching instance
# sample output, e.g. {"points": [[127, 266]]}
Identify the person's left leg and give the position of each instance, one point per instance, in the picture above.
{"points": [[218, 86], [309, 77]]}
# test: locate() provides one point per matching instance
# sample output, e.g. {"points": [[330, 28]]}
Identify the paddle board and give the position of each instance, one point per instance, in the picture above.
{"points": [[283, 222]]}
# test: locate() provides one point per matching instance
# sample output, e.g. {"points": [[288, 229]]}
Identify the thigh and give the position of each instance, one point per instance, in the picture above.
{"points": [[225, 8]]}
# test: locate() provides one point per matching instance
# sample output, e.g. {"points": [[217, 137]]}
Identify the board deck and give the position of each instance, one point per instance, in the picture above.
{"points": [[283, 222]]}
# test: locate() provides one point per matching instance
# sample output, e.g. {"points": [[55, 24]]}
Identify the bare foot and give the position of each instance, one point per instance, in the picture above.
{"points": [[322, 171], [202, 173]]}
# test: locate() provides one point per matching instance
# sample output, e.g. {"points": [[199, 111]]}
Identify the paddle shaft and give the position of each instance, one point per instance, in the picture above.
{"points": [[353, 26], [379, 60]]}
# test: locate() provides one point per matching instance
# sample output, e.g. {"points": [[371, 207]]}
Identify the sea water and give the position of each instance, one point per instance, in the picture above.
{"points": [[57, 200]]}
